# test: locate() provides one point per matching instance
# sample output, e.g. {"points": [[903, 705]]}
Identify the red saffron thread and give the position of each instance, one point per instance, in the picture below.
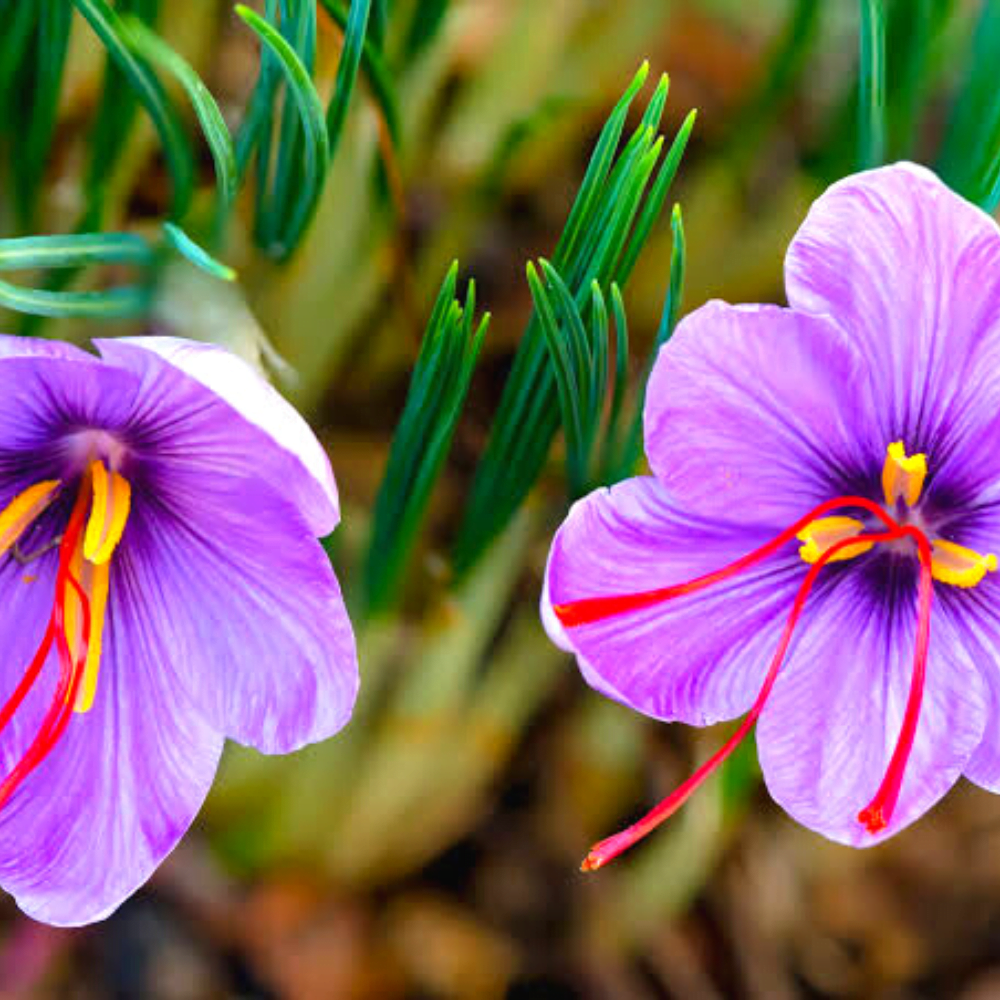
{"points": [[71, 672], [877, 814], [594, 609], [611, 847]]}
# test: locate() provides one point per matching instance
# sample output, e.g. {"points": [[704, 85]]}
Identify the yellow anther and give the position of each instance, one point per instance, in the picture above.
{"points": [[108, 513], [93, 580], [959, 566], [903, 476], [98, 593], [822, 534], [19, 514]]}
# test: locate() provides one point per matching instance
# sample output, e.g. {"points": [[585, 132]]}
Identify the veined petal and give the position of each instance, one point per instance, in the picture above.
{"points": [[747, 411], [182, 377], [697, 659], [975, 617], [907, 268], [828, 732], [90, 825], [47, 399], [259, 634], [39, 347]]}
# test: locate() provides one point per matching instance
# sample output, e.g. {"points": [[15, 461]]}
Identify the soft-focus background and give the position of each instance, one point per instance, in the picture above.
{"points": [[431, 850]]}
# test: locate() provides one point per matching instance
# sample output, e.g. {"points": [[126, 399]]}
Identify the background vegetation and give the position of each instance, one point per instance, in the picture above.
{"points": [[294, 180]]}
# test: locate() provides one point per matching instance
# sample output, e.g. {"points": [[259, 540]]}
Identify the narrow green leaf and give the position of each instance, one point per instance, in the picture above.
{"points": [[597, 170], [871, 85], [316, 154], [46, 70], [117, 303], [970, 158], [17, 22], [198, 256], [73, 251], [347, 70], [151, 47], [654, 203], [376, 71], [107, 26], [438, 389], [115, 116], [567, 383], [668, 323]]}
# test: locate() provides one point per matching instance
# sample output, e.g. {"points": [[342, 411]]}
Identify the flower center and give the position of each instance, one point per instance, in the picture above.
{"points": [[826, 536], [76, 623], [902, 485]]}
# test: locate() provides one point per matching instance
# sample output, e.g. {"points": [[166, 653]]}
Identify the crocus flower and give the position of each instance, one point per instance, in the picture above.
{"points": [[835, 466], [163, 589]]}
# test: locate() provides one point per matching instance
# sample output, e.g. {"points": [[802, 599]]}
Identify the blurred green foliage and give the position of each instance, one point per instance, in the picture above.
{"points": [[294, 180]]}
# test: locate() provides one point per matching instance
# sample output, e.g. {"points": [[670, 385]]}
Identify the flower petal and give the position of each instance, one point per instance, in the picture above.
{"points": [[48, 397], [907, 268], [258, 630], [699, 658], [39, 347], [90, 825], [976, 617], [747, 410], [828, 732], [274, 441]]}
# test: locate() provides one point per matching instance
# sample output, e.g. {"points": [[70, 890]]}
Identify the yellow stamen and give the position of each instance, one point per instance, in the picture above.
{"points": [[825, 532], [19, 514], [108, 513], [93, 580], [959, 566], [903, 476], [97, 592]]}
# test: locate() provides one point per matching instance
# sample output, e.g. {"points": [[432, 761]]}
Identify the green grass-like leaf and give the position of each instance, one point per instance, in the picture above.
{"points": [[438, 388], [150, 46], [180, 160], [608, 225], [73, 251], [196, 254], [376, 71], [315, 146], [970, 157], [871, 85]]}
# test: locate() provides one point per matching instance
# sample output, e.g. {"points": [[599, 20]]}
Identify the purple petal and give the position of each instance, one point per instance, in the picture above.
{"points": [[975, 616], [699, 658], [39, 347], [758, 412], [249, 421], [908, 269], [258, 630], [47, 399], [828, 732], [90, 825]]}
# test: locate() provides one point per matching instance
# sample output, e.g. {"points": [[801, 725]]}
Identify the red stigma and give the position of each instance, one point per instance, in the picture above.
{"points": [[71, 670], [876, 816], [595, 609]]}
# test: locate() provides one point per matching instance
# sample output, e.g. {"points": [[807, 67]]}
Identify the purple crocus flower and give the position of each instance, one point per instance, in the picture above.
{"points": [[864, 422], [163, 589]]}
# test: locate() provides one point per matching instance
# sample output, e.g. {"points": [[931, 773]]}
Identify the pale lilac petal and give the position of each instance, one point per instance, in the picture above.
{"points": [[39, 347], [697, 659], [276, 443], [258, 630], [908, 269], [975, 615], [747, 414], [828, 732], [90, 825]]}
